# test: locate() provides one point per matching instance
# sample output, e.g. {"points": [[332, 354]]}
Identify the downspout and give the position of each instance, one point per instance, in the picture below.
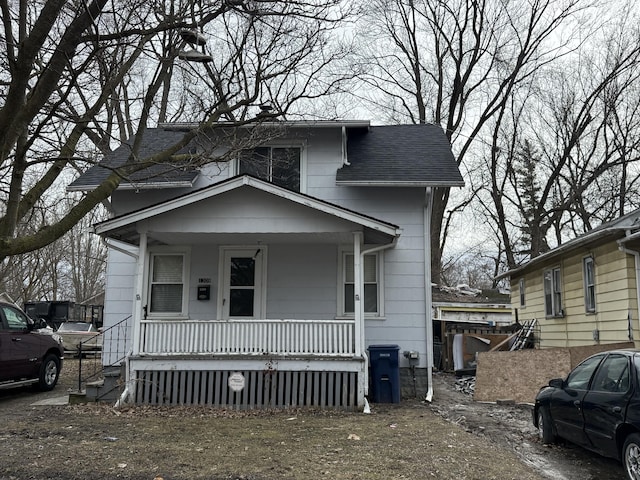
{"points": [[137, 309], [359, 272], [636, 256], [125, 393], [427, 290], [345, 158], [358, 259]]}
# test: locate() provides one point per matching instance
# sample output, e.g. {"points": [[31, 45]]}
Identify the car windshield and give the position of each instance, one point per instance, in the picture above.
{"points": [[75, 327]]}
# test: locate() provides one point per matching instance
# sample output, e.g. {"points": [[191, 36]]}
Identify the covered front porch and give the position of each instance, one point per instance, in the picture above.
{"points": [[274, 363], [240, 298]]}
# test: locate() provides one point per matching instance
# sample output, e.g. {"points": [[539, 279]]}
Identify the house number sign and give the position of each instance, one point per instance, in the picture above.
{"points": [[236, 381]]}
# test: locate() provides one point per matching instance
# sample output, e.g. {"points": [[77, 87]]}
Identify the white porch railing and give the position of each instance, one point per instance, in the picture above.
{"points": [[323, 338]]}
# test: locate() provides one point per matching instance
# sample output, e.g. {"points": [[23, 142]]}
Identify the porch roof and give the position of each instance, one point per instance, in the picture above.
{"points": [[247, 206]]}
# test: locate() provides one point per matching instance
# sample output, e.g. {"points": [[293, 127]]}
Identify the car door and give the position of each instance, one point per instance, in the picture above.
{"points": [[604, 405], [566, 404], [23, 347], [6, 358]]}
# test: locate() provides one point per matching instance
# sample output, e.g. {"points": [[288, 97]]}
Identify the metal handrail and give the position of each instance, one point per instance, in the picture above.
{"points": [[102, 335]]}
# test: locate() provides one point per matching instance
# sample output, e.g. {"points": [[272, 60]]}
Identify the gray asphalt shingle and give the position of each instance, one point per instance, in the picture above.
{"points": [[154, 140], [397, 154], [378, 155]]}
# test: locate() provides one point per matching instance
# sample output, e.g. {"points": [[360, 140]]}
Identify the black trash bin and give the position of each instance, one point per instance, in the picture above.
{"points": [[385, 373]]}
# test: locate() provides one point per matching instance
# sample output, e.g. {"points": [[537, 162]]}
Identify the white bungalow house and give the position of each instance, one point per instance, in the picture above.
{"points": [[263, 279]]}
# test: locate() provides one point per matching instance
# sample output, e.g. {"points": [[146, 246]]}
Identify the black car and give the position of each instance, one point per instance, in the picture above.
{"points": [[597, 407], [28, 356]]}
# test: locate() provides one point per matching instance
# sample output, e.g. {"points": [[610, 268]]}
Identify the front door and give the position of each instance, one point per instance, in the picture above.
{"points": [[243, 283]]}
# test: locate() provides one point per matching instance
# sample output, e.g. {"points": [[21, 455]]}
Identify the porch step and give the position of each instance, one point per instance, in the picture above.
{"points": [[108, 389]]}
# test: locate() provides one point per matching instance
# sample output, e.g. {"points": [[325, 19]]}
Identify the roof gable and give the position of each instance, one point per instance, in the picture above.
{"points": [[126, 223]]}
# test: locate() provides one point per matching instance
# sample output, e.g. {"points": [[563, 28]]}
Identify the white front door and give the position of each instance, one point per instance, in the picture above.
{"points": [[243, 283]]}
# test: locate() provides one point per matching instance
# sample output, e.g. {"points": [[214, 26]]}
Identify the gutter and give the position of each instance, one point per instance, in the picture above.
{"points": [[428, 204], [119, 249], [570, 245]]}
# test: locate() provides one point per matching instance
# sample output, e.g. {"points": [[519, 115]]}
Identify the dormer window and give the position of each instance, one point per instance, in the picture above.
{"points": [[278, 165]]}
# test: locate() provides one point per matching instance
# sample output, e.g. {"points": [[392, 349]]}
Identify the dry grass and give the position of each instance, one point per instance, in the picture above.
{"points": [[406, 441]]}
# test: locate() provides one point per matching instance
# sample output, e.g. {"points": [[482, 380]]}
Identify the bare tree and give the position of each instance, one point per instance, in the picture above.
{"points": [[77, 76], [559, 165], [457, 64]]}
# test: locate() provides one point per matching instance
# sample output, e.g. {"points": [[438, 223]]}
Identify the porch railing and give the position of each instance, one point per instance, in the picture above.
{"points": [[331, 338]]}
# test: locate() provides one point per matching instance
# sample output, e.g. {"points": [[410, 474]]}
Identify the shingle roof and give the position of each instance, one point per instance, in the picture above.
{"points": [[403, 155], [400, 154], [154, 140]]}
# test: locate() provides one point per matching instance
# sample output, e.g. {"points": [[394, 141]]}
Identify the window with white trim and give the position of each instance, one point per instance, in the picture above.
{"points": [[371, 280], [278, 165], [588, 269], [167, 284], [521, 291], [553, 293]]}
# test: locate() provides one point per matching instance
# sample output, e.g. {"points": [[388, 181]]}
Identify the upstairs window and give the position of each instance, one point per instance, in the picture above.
{"points": [[588, 272], [521, 291], [553, 293], [278, 165]]}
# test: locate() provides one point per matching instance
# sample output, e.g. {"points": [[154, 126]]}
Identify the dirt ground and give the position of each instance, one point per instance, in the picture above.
{"points": [[451, 438]]}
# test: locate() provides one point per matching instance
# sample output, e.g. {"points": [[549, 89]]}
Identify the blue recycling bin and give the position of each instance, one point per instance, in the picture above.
{"points": [[384, 373]]}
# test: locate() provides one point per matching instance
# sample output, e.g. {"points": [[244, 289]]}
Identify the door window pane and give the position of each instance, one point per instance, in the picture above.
{"points": [[242, 287], [243, 271], [241, 303]]}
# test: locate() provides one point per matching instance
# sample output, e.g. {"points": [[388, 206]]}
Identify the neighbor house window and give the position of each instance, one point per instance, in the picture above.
{"points": [[167, 287], [588, 268], [521, 291], [278, 165], [552, 293], [371, 282]]}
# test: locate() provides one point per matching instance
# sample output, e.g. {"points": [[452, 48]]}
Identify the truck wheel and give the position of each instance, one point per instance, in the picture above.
{"points": [[49, 372]]}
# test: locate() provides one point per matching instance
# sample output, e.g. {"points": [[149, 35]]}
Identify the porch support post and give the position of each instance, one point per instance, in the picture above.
{"points": [[139, 293], [358, 313]]}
